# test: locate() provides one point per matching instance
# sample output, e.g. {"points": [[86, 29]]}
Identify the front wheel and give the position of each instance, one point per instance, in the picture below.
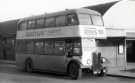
{"points": [[74, 71]]}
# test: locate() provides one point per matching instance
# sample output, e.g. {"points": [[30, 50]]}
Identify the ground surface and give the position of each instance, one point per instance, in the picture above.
{"points": [[9, 74]]}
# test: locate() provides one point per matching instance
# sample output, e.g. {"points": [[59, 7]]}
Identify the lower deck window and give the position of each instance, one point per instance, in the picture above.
{"points": [[48, 47]]}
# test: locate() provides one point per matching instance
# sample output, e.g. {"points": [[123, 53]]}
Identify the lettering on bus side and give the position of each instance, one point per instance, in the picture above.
{"points": [[90, 32], [42, 33], [54, 31], [31, 34]]}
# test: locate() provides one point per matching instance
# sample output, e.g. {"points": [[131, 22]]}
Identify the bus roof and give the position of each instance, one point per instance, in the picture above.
{"points": [[67, 11]]}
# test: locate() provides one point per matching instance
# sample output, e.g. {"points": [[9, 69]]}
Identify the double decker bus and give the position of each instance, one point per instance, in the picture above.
{"points": [[62, 42]]}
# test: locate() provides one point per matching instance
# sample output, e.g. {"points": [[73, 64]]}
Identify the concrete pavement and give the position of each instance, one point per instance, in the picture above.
{"points": [[128, 72]]}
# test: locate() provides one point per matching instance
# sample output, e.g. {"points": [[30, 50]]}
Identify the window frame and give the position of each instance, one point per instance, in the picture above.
{"points": [[20, 26], [57, 51], [67, 23], [101, 20], [30, 27], [39, 52], [41, 26], [54, 19], [26, 51], [120, 48], [51, 43], [89, 16]]}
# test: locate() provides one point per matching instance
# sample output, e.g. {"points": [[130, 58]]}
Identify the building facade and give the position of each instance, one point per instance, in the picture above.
{"points": [[7, 40]]}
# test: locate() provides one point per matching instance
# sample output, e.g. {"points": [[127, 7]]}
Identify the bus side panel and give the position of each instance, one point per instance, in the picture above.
{"points": [[59, 63], [20, 60]]}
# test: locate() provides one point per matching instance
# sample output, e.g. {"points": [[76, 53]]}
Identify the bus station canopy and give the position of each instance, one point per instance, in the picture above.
{"points": [[8, 28]]}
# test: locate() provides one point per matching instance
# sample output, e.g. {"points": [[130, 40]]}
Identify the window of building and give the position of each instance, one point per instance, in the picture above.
{"points": [[84, 19], [40, 23], [121, 49], [72, 19], [50, 22], [97, 20], [60, 20], [31, 24], [23, 26]]}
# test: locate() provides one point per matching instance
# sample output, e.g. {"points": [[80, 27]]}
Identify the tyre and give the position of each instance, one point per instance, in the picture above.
{"points": [[74, 71], [28, 65], [102, 72]]}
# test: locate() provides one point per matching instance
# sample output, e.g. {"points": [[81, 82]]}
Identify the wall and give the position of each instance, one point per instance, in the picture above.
{"points": [[7, 49], [110, 49], [7, 37]]}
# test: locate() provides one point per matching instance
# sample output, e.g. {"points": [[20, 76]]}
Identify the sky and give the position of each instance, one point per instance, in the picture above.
{"points": [[14, 9]]}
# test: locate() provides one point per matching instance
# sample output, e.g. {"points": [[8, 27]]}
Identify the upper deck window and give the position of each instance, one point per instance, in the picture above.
{"points": [[31, 24], [40, 23], [50, 22], [85, 19], [60, 21], [23, 26], [72, 19], [97, 20]]}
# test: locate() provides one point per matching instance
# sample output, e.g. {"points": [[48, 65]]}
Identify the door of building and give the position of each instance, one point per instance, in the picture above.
{"points": [[130, 50]]}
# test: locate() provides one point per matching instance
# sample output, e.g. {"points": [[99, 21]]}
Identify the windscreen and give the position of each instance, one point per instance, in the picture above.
{"points": [[85, 19], [97, 20], [89, 19]]}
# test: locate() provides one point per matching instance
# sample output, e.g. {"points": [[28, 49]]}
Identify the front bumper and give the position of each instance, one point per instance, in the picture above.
{"points": [[86, 67]]}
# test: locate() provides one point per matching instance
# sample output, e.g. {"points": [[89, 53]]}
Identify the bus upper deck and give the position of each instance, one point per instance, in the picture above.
{"points": [[77, 22], [67, 11]]}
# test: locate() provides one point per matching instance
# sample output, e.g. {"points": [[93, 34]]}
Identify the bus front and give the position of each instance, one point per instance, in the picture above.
{"points": [[91, 28]]}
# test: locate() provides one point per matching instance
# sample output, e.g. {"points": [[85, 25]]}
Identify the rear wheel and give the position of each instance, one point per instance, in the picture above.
{"points": [[28, 65], [74, 71]]}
